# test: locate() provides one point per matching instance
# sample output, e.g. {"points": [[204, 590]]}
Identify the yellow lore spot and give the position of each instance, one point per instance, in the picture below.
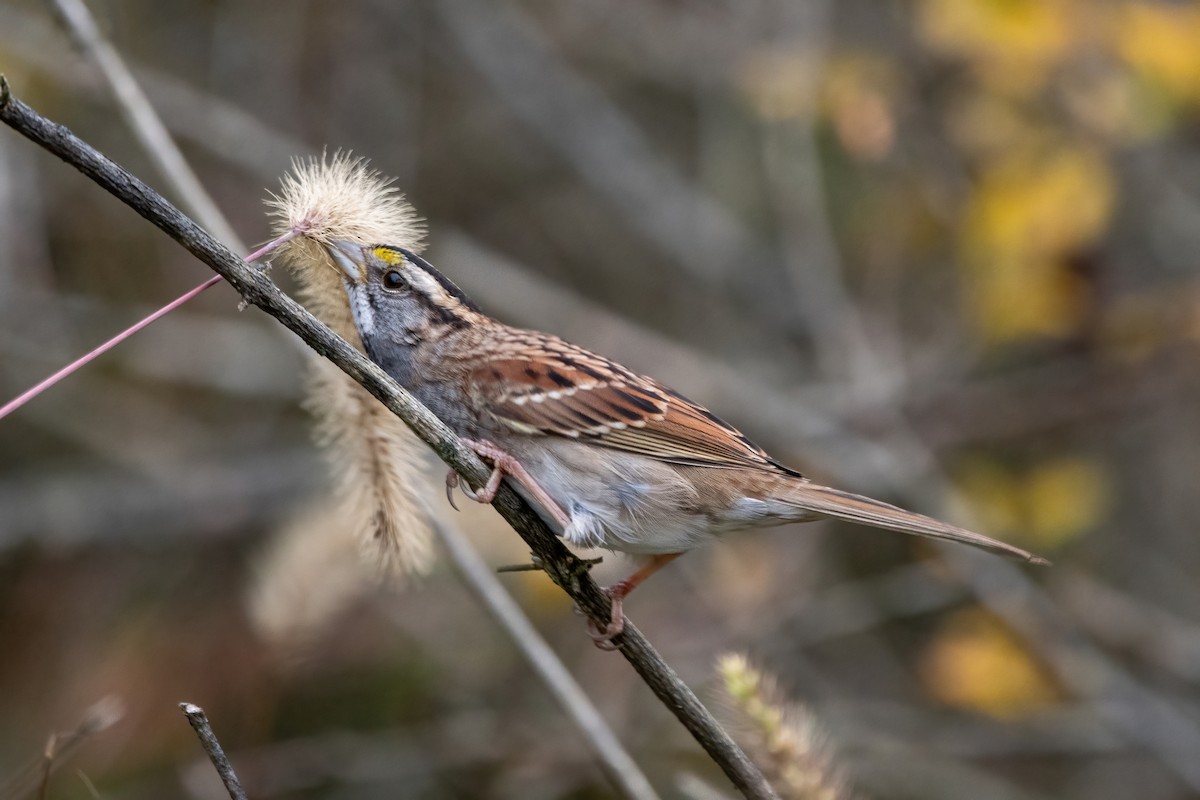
{"points": [[389, 255]]}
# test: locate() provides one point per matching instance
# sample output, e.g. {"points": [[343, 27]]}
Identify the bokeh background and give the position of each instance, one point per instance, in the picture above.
{"points": [[939, 251]]}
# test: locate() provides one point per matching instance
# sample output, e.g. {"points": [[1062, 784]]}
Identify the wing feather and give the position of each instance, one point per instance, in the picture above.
{"points": [[558, 389]]}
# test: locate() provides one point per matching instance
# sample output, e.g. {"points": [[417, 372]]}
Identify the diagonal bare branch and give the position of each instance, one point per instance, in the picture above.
{"points": [[567, 571], [158, 142]]}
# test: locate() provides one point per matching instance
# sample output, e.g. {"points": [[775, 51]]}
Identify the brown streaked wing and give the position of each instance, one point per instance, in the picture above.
{"points": [[691, 434], [559, 389]]}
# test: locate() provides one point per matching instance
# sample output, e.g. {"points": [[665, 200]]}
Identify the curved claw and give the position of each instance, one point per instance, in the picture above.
{"points": [[484, 495], [603, 639], [452, 482]]}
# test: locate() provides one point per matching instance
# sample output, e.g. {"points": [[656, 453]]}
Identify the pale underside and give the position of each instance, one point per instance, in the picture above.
{"points": [[633, 503]]}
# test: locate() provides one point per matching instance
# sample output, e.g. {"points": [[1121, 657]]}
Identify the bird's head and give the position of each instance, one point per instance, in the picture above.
{"points": [[396, 295]]}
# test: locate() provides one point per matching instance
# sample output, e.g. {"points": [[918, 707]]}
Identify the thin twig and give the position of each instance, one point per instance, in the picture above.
{"points": [[87, 782], [208, 740], [621, 768], [145, 122], [257, 289], [34, 391], [90, 356], [47, 765], [60, 747]]}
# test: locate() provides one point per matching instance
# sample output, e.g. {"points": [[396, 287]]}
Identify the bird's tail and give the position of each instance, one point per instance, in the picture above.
{"points": [[829, 502]]}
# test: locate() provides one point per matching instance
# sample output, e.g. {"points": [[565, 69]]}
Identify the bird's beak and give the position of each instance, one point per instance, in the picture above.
{"points": [[348, 257]]}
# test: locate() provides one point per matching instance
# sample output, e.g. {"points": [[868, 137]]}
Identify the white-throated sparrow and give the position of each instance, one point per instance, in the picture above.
{"points": [[613, 459]]}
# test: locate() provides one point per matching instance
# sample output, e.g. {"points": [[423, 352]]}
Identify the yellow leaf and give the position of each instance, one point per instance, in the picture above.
{"points": [[974, 662], [1042, 200], [1011, 44], [1159, 41], [1065, 497], [1030, 211], [1044, 506], [1017, 298]]}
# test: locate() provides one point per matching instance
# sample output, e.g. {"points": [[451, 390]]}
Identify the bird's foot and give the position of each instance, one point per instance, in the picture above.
{"points": [[603, 636], [503, 463]]}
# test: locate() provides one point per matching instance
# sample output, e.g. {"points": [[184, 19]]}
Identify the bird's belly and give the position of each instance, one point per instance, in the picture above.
{"points": [[616, 500], [634, 504]]}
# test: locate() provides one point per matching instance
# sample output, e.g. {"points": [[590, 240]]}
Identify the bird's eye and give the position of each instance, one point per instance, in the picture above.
{"points": [[392, 279]]}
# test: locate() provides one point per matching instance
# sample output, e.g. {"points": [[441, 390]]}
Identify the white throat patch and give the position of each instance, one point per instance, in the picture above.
{"points": [[360, 307]]}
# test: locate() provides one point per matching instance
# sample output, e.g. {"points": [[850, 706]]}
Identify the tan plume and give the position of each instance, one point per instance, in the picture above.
{"points": [[305, 578], [783, 737], [376, 461]]}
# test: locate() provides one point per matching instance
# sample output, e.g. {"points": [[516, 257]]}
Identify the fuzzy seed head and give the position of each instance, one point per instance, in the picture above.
{"points": [[307, 576], [342, 198], [377, 463], [783, 737]]}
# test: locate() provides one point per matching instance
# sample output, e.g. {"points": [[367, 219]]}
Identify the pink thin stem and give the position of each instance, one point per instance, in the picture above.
{"points": [[34, 391]]}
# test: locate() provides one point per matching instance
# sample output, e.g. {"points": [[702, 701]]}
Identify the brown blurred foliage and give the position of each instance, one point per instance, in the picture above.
{"points": [[941, 251]]}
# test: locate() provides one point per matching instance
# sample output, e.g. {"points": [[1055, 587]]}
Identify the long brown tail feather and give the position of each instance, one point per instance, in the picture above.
{"points": [[856, 508]]}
